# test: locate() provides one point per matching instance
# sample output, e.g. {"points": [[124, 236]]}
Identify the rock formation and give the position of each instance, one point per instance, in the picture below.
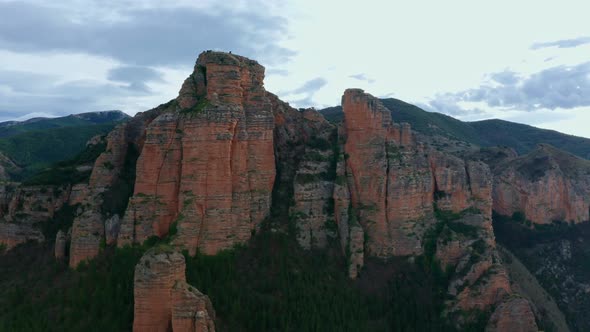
{"points": [[13, 234], [514, 315], [208, 166], [396, 196], [201, 170], [546, 184], [24, 208], [106, 193], [163, 299], [60, 245]]}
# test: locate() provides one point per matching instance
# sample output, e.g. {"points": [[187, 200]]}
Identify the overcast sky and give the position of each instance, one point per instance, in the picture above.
{"points": [[524, 61]]}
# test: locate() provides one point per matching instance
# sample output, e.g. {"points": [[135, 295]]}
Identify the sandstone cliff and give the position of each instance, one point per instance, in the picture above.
{"points": [[397, 196], [163, 299], [207, 165], [546, 184]]}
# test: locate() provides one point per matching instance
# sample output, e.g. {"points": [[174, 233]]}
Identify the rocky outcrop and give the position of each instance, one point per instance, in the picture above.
{"points": [[163, 300], [209, 165], [514, 315], [108, 188], [24, 208], [12, 235], [396, 196], [60, 245], [31, 204], [192, 311], [546, 184]]}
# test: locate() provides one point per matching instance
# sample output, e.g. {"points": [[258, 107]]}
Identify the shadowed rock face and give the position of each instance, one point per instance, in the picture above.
{"points": [[24, 208], [89, 225], [207, 165], [514, 315], [546, 184], [163, 299]]}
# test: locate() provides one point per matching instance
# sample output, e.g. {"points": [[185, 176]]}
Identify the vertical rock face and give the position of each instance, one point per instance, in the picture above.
{"points": [[192, 311], [163, 299], [209, 165], [514, 315], [155, 275], [389, 178], [396, 196], [546, 184], [60, 245]]}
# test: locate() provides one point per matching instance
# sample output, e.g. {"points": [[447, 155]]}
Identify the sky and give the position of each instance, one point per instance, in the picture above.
{"points": [[523, 61]]}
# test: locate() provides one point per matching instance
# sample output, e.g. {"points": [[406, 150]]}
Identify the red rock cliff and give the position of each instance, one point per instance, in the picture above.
{"points": [[546, 184], [397, 194], [208, 166], [163, 299]]}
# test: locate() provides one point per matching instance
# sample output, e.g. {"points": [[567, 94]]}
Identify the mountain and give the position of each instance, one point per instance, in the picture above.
{"points": [[523, 138], [227, 209], [11, 128], [32, 145]]}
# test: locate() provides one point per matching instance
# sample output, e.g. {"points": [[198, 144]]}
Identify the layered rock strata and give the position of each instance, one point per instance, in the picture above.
{"points": [[208, 167], [544, 185], [163, 299]]}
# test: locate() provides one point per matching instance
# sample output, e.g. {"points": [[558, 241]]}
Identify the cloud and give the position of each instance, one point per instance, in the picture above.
{"points": [[135, 76], [26, 93], [145, 35], [308, 90], [506, 77], [561, 87], [362, 77], [311, 86], [564, 43], [143, 49]]}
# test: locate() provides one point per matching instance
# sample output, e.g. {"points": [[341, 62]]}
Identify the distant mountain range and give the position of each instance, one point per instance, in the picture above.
{"points": [[10, 128], [522, 138], [29, 146]]}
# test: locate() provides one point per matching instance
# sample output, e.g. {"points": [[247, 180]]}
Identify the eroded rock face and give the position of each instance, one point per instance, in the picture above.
{"points": [[163, 300], [209, 165], [403, 196], [514, 315], [104, 185], [546, 184], [387, 197], [60, 245], [31, 204], [192, 311], [12, 235], [24, 208]]}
